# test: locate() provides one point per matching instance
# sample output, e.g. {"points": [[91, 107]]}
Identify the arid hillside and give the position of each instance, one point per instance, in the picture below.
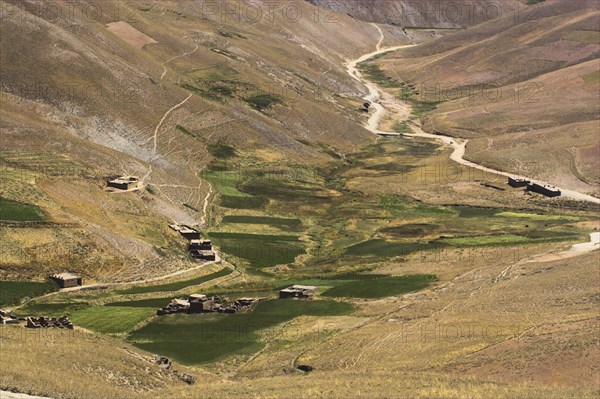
{"points": [[524, 90], [423, 14], [158, 90]]}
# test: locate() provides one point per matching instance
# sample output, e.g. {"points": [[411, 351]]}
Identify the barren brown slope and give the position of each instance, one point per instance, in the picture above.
{"points": [[534, 80], [86, 103], [422, 14]]}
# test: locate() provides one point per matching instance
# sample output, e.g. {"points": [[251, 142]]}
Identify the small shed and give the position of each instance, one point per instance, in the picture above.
{"points": [[203, 254], [298, 291], [190, 234], [516, 182], [124, 183], [548, 191], [67, 280], [200, 245]]}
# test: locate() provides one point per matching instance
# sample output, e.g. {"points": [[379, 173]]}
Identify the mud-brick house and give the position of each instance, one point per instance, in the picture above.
{"points": [[516, 182], [548, 191], [201, 305], [203, 255], [67, 280], [124, 183], [189, 234], [298, 292], [200, 245]]}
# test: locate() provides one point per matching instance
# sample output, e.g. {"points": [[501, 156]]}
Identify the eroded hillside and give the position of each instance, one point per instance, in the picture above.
{"points": [[524, 93], [155, 89]]}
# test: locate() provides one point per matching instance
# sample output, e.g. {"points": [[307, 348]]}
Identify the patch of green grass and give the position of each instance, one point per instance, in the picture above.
{"points": [[401, 127], [374, 73], [12, 292], [221, 150], [178, 285], [260, 250], [225, 182], [382, 287], [51, 309], [592, 78], [237, 202], [225, 53], [154, 303], [111, 319], [254, 237], [486, 240], [401, 207], [286, 191], [420, 106], [584, 36], [382, 248], [272, 221], [409, 230], [535, 216], [262, 101], [475, 212], [17, 211], [183, 129], [197, 339]]}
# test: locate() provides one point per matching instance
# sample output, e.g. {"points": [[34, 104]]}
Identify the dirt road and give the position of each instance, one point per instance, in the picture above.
{"points": [[458, 144]]}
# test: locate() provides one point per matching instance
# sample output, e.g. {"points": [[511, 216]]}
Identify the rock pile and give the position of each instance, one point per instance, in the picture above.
{"points": [[7, 318], [48, 322], [165, 364]]}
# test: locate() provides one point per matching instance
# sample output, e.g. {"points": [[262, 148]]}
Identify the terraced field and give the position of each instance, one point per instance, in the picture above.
{"points": [[11, 292], [196, 339], [16, 211]]}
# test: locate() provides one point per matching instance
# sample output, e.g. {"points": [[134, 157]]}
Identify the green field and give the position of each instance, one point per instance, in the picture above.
{"points": [[11, 292], [409, 230], [203, 338], [382, 287], [259, 250], [262, 101], [111, 319], [226, 183], [505, 239], [177, 285], [383, 248], [403, 207], [535, 216], [16, 211], [268, 220], [51, 309]]}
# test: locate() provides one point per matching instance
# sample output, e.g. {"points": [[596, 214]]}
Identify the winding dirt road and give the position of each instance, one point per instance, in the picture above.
{"points": [[458, 144]]}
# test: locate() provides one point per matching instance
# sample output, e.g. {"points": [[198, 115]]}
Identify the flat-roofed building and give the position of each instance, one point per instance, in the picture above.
{"points": [[190, 234], [547, 190], [196, 244], [124, 183], [516, 182], [67, 280], [203, 254], [298, 291]]}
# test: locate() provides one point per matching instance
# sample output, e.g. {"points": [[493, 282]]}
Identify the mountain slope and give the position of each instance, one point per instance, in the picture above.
{"points": [[154, 90], [523, 90]]}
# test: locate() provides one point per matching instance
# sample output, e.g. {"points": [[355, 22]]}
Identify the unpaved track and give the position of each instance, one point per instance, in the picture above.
{"points": [[155, 136], [458, 144], [98, 285]]}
